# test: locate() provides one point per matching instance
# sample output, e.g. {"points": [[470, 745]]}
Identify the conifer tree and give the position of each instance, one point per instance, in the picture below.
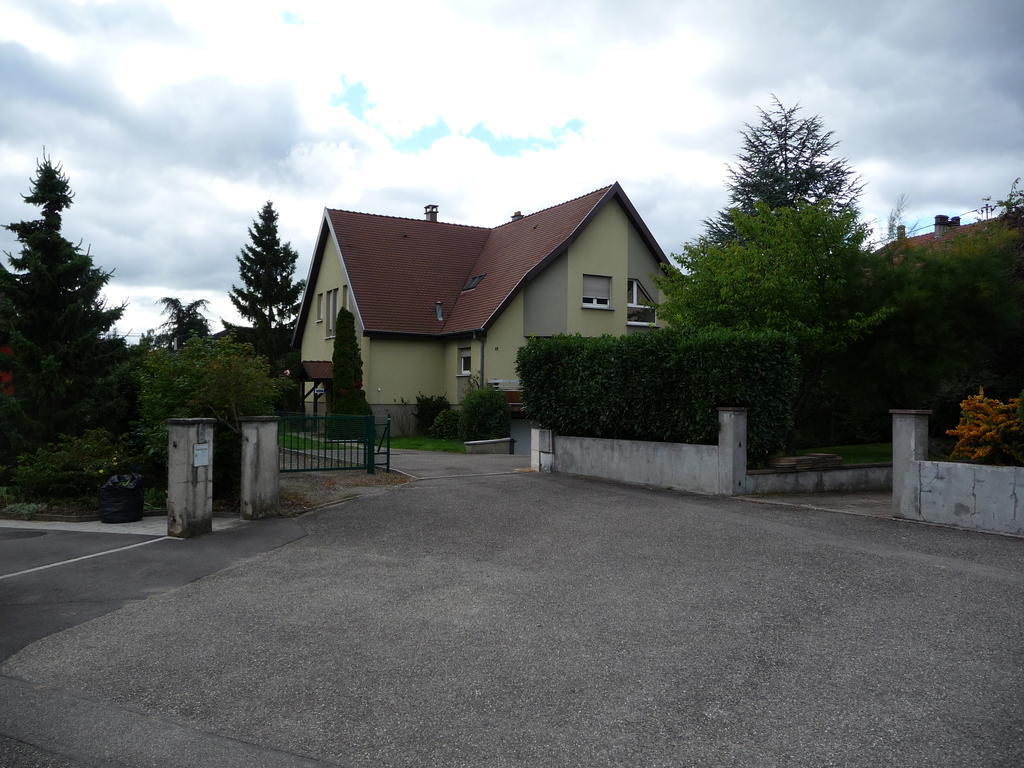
{"points": [[784, 163], [348, 397], [268, 297], [57, 325]]}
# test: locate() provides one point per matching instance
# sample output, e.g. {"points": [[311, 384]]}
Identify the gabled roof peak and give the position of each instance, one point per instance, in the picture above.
{"points": [[556, 205]]}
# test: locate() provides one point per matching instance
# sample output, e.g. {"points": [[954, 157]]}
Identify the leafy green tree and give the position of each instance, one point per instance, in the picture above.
{"points": [[801, 271], [220, 379], [183, 322], [785, 161], [54, 319], [268, 297], [348, 395]]}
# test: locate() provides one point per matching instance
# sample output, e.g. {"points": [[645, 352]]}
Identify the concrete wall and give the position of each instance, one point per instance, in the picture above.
{"points": [[403, 419], [973, 496], [666, 465], [968, 496], [847, 479], [718, 469]]}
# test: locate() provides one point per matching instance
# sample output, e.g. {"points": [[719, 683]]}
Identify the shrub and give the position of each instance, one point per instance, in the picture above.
{"points": [[213, 378], [446, 426], [72, 467], [662, 386], [427, 409], [485, 415], [348, 397], [990, 431]]}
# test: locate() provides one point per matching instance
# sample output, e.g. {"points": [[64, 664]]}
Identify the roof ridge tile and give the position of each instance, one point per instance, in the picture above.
{"points": [[405, 218]]}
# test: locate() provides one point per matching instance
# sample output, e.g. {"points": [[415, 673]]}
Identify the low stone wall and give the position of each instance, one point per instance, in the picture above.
{"points": [[846, 479], [403, 419], [967, 496], [498, 445], [972, 496], [666, 465], [719, 469]]}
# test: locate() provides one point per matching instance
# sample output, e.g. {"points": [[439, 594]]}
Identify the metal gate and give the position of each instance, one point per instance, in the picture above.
{"points": [[333, 442]]}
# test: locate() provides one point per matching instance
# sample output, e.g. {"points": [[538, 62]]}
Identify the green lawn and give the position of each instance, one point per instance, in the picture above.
{"points": [[869, 453], [419, 443]]}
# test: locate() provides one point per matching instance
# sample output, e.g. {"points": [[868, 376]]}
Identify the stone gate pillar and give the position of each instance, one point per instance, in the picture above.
{"points": [[909, 444], [189, 477], [261, 476], [732, 451]]}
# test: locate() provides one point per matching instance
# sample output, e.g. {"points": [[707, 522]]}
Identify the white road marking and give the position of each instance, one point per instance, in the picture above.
{"points": [[84, 557]]}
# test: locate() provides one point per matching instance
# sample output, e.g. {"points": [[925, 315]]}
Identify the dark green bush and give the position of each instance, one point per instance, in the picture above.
{"points": [[427, 409], [662, 386], [72, 467], [485, 415], [446, 426]]}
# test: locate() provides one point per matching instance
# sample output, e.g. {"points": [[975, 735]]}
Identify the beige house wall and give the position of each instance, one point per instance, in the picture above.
{"points": [[599, 250], [401, 369], [544, 300], [504, 339]]}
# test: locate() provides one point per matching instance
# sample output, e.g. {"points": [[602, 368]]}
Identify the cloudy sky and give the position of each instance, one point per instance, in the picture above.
{"points": [[175, 121]]}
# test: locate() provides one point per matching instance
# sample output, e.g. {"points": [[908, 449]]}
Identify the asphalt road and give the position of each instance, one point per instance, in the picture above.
{"points": [[526, 619]]}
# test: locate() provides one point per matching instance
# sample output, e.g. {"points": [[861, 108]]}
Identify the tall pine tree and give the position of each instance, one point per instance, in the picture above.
{"points": [[268, 297], [785, 162], [55, 321]]}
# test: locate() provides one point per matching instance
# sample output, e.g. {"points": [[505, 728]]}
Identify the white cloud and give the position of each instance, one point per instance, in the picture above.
{"points": [[177, 121]]}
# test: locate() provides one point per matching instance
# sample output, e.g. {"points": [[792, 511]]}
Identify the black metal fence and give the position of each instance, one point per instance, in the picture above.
{"points": [[333, 442]]}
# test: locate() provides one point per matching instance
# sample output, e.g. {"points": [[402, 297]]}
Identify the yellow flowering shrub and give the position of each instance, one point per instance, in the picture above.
{"points": [[990, 431]]}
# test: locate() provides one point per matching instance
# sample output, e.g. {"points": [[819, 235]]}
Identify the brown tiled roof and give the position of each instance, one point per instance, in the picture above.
{"points": [[399, 268], [929, 238], [318, 369]]}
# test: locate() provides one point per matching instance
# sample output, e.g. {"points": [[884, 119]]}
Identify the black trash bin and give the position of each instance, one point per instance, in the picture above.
{"points": [[121, 499]]}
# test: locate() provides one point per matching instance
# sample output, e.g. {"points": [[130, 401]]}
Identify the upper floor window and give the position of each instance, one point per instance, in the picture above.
{"points": [[332, 311], [637, 304], [319, 307], [465, 361], [597, 291]]}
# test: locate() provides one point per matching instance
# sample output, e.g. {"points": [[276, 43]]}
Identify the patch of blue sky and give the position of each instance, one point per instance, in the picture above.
{"points": [[511, 146], [290, 17], [422, 138], [354, 99]]}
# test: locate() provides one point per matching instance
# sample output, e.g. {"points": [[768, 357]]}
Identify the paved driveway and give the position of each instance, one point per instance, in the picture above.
{"points": [[532, 620]]}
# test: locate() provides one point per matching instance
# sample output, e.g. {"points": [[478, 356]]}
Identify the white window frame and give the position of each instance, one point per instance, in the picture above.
{"points": [[595, 301], [465, 361], [636, 295], [332, 312], [320, 307]]}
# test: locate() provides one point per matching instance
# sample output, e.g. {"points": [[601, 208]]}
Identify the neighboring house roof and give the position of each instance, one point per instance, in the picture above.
{"points": [[400, 268], [930, 238]]}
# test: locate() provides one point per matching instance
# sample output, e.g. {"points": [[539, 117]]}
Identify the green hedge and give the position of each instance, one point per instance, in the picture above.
{"points": [[662, 386]]}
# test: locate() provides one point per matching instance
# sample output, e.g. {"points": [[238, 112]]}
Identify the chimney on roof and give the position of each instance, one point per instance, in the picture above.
{"points": [[439, 311], [430, 212], [954, 221], [517, 216], [941, 225], [901, 232]]}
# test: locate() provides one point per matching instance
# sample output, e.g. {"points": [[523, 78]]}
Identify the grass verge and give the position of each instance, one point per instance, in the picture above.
{"points": [[422, 443], [868, 453]]}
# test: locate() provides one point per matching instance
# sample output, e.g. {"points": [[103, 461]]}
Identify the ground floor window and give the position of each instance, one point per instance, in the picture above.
{"points": [[465, 361]]}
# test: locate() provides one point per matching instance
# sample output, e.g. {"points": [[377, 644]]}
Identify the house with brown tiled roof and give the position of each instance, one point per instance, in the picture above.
{"points": [[437, 303]]}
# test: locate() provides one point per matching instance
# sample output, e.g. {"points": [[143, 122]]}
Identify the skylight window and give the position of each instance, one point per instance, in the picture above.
{"points": [[473, 282]]}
